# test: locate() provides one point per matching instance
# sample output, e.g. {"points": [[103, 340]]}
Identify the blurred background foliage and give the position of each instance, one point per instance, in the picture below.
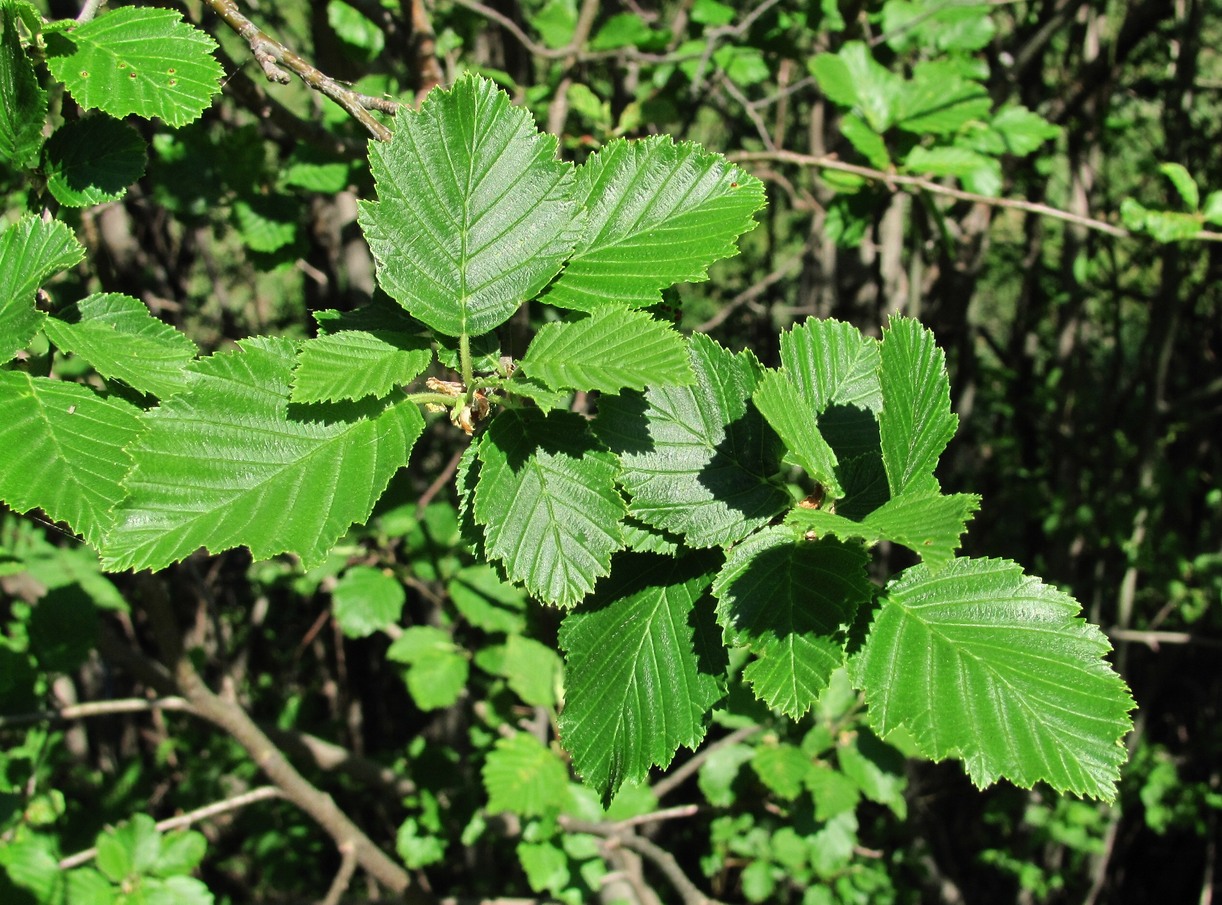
{"points": [[1083, 335]]}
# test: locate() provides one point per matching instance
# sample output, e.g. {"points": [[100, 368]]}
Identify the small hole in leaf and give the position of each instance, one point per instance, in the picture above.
{"points": [[173, 82], [171, 71], [84, 73], [131, 75]]}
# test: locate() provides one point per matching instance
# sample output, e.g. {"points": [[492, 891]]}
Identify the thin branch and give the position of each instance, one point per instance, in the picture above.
{"points": [[1154, 640], [235, 721], [891, 180], [271, 55], [675, 778], [663, 860], [95, 708], [676, 813], [752, 292], [89, 9], [207, 812], [343, 877]]}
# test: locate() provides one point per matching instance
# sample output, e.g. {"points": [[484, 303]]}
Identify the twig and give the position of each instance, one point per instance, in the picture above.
{"points": [[754, 291], [343, 878], [663, 860], [271, 55], [184, 820], [675, 778], [891, 180], [1153, 640], [89, 9], [675, 813], [95, 708]]}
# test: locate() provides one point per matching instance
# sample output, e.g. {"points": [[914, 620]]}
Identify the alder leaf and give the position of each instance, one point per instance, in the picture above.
{"points": [[789, 601], [698, 461], [547, 500], [122, 340], [524, 777], [916, 422], [437, 668], [353, 364], [227, 462], [660, 214], [609, 351], [981, 662], [93, 160], [23, 103], [474, 213], [31, 251], [137, 60], [62, 451], [643, 667], [794, 421]]}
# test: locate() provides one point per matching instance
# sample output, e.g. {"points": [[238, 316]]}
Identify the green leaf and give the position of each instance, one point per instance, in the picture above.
{"points": [[353, 364], [794, 420], [173, 891], [355, 29], [180, 853], [487, 602], [266, 224], [1184, 184], [930, 526], [861, 82], [437, 667], [789, 602], [944, 160], [1212, 210], [475, 214], [621, 30], [834, 78], [417, 845], [546, 866], [367, 600], [916, 422], [555, 22], [698, 461], [62, 450], [132, 848], [63, 629], [23, 103], [137, 60], [118, 336], [532, 669], [1023, 131], [869, 144], [31, 251], [782, 769], [660, 214], [984, 663], [93, 160], [961, 26], [609, 351], [226, 462], [832, 364], [524, 777], [937, 100], [546, 496], [643, 668]]}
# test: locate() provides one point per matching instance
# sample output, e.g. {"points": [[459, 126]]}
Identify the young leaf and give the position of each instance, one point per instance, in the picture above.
{"points": [[23, 103], [62, 450], [698, 461], [137, 60], [938, 100], [832, 363], [353, 364], [916, 422], [984, 663], [437, 667], [609, 351], [1022, 130], [31, 250], [93, 160], [660, 214], [366, 600], [474, 213], [523, 777], [1184, 184], [532, 669], [546, 496], [779, 401], [930, 525], [118, 336], [643, 668], [227, 463], [788, 602]]}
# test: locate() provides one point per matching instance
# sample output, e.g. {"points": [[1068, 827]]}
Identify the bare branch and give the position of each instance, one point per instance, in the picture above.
{"points": [[263, 793], [271, 55], [675, 778], [95, 708], [891, 180], [343, 877]]}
